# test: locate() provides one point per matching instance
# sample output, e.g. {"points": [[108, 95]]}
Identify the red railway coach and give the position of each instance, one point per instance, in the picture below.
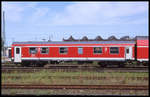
{"points": [[142, 49], [105, 52]]}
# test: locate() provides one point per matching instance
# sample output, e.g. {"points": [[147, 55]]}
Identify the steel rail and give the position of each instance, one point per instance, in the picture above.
{"points": [[72, 69], [80, 77], [99, 87], [78, 67], [67, 70]]}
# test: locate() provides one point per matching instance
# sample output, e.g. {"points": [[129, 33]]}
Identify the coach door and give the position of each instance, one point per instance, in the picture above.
{"points": [[17, 55], [128, 52]]}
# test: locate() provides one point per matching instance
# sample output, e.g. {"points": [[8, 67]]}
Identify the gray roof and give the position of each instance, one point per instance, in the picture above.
{"points": [[76, 42], [142, 37]]}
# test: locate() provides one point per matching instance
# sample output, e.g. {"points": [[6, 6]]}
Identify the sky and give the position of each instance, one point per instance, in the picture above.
{"points": [[34, 21]]}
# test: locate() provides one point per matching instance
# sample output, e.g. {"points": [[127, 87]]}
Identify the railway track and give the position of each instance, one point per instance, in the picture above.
{"points": [[74, 69], [79, 77], [99, 87], [70, 66]]}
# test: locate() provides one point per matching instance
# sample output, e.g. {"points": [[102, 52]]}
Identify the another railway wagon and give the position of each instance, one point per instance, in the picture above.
{"points": [[105, 52], [142, 44]]}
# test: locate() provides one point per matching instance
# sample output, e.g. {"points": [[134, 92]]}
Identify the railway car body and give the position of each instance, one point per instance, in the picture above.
{"points": [[102, 51], [142, 48]]}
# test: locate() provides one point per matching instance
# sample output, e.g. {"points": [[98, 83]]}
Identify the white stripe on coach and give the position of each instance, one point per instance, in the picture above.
{"points": [[82, 46], [72, 58], [143, 59]]}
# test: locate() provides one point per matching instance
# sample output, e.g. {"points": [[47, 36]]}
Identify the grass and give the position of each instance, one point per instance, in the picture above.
{"points": [[72, 92], [41, 77], [85, 73]]}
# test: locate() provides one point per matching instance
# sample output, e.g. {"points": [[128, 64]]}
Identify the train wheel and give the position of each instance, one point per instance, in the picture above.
{"points": [[41, 64], [80, 62], [102, 64], [25, 64], [121, 64], [145, 63]]}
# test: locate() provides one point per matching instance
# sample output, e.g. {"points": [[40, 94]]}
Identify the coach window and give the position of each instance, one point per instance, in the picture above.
{"points": [[63, 50], [33, 50], [114, 50], [97, 50], [17, 50], [80, 50], [127, 50], [44, 50], [9, 53]]}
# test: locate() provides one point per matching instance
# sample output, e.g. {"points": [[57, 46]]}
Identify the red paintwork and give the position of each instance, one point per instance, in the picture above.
{"points": [[142, 42], [73, 51], [12, 52], [69, 44], [133, 52], [142, 52]]}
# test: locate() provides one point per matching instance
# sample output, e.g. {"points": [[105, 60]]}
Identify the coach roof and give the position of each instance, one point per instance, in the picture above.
{"points": [[76, 42], [142, 37]]}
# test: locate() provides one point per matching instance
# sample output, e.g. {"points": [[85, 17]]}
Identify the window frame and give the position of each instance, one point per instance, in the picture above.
{"points": [[78, 50], [17, 50], [114, 47], [41, 50], [98, 53], [66, 50], [9, 53], [127, 51], [35, 49]]}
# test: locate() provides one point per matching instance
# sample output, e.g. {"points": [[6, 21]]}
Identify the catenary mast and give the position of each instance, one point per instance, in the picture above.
{"points": [[3, 38]]}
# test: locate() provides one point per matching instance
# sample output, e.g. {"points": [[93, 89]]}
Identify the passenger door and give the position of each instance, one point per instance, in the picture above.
{"points": [[17, 54], [128, 52]]}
